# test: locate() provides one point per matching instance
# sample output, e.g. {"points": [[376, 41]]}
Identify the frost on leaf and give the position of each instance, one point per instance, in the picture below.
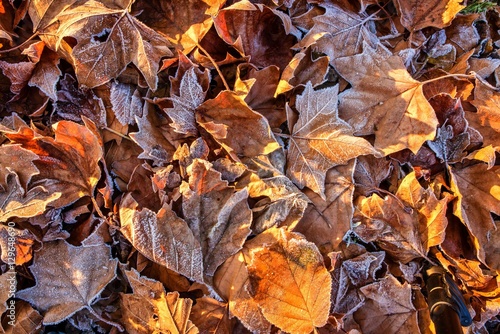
{"points": [[149, 309], [295, 296], [72, 282], [320, 140], [162, 237], [385, 100], [416, 15], [126, 102], [191, 96], [218, 215], [449, 148]]}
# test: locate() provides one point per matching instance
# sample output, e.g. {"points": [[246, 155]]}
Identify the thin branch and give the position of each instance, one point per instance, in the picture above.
{"points": [[20, 45], [117, 133], [465, 76]]}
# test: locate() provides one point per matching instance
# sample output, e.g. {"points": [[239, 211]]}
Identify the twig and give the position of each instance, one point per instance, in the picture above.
{"points": [[215, 65]]}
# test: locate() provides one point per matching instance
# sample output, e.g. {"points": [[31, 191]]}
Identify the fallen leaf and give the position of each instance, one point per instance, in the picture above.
{"points": [[320, 140], [448, 148], [73, 282], [162, 237], [18, 242], [417, 15], [28, 320], [478, 195], [64, 163], [385, 100], [46, 74], [15, 159], [295, 298], [237, 128], [18, 73], [218, 215], [149, 309], [126, 102], [370, 172], [211, 316], [340, 32], [487, 118], [191, 96], [104, 32]]}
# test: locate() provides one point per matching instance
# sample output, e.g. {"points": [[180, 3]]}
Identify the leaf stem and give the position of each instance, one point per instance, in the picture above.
{"points": [[20, 45], [215, 65], [117, 133], [465, 76]]}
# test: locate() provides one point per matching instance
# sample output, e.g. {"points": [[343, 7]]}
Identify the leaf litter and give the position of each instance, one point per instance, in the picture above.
{"points": [[247, 167]]}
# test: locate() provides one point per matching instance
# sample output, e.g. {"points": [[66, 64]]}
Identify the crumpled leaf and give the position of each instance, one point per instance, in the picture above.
{"points": [[416, 15], [218, 215], [18, 73], [295, 296], [385, 100], [245, 27], [447, 147], [72, 282], [237, 128], [191, 96], [149, 309], [388, 308], [478, 194], [107, 31], [320, 140], [162, 237], [68, 163], [339, 33], [15, 159]]}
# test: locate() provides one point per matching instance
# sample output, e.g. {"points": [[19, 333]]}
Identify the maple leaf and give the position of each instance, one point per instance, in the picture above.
{"points": [[149, 309], [296, 295], [416, 15], [320, 140], [162, 237], [478, 194], [385, 100], [370, 172], [388, 308], [237, 128], [103, 33], [191, 96], [218, 215], [68, 163], [72, 282], [447, 147], [14, 158], [339, 33]]}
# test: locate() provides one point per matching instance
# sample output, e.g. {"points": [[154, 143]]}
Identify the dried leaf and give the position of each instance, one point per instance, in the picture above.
{"points": [[15, 159], [447, 147], [388, 308], [211, 316], [218, 215], [162, 237], [385, 100], [487, 119], [295, 298], [149, 309], [320, 140], [126, 102], [72, 282], [237, 128], [46, 74], [416, 15]]}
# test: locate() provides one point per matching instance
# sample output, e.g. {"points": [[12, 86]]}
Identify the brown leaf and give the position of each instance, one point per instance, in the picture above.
{"points": [[191, 96], [388, 308], [478, 195], [246, 27], [149, 309], [218, 215], [126, 102], [370, 172], [237, 128], [326, 221], [320, 140], [16, 202], [72, 282], [184, 22], [211, 316], [487, 119], [385, 100], [295, 296], [107, 31], [18, 73], [23, 241], [46, 73], [162, 237], [68, 164], [416, 15], [28, 320], [340, 32], [14, 158]]}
